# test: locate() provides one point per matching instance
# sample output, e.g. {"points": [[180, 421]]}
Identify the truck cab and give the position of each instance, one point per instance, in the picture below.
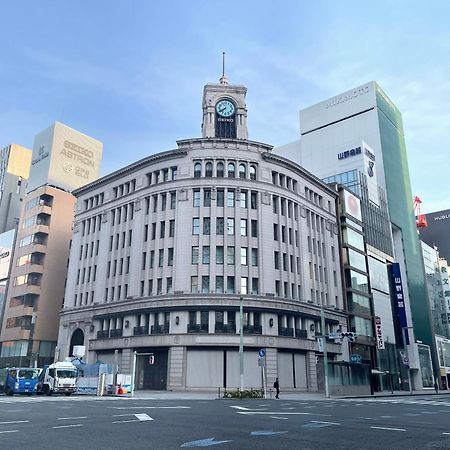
{"points": [[21, 380], [58, 378]]}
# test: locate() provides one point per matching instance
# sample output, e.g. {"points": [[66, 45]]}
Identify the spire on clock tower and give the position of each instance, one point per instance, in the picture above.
{"points": [[224, 109]]}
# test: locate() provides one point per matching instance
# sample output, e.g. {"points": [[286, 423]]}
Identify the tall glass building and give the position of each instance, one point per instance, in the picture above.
{"points": [[356, 139]]}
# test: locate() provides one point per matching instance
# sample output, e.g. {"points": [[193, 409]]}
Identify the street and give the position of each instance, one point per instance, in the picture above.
{"points": [[118, 423]]}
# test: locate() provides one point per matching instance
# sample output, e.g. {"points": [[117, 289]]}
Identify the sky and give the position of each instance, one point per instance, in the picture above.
{"points": [[131, 73]]}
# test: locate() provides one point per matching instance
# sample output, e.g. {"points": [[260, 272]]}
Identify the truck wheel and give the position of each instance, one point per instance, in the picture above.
{"points": [[68, 394], [47, 390]]}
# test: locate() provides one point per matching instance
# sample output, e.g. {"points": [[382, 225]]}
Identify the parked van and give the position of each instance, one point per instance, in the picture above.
{"points": [[58, 378], [21, 380]]}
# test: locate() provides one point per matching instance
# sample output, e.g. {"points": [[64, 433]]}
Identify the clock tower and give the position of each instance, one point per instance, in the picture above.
{"points": [[224, 111]]}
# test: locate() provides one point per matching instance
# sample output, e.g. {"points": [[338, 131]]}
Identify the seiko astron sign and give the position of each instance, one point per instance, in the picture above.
{"points": [[65, 158]]}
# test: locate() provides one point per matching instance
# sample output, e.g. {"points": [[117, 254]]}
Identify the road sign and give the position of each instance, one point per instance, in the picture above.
{"points": [[262, 353], [151, 360], [335, 335], [356, 359], [320, 343], [261, 361]]}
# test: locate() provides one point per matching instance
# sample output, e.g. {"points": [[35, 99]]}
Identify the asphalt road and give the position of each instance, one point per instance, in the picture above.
{"points": [[117, 423]]}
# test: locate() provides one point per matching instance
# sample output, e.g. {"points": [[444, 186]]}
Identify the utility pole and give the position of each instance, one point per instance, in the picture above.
{"points": [[325, 355], [241, 340]]}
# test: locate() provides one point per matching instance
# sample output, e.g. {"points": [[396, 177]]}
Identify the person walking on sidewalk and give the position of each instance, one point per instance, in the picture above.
{"points": [[276, 385]]}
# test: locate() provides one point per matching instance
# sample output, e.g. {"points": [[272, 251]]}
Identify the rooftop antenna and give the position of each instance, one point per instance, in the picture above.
{"points": [[223, 79]]}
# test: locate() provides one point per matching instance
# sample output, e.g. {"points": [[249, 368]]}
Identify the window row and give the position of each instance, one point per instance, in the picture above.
{"points": [[87, 275], [162, 230], [285, 181], [246, 256], [94, 201], [163, 201], [232, 196], [42, 200], [122, 214], [124, 189], [160, 254], [209, 169], [89, 250], [220, 226], [283, 206], [314, 197], [120, 240], [285, 261], [204, 285], [35, 239], [162, 175], [91, 225], [285, 234]]}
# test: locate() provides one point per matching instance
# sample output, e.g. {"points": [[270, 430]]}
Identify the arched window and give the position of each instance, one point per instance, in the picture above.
{"points": [[242, 171], [231, 170], [208, 169], [252, 172], [219, 169], [197, 170]]}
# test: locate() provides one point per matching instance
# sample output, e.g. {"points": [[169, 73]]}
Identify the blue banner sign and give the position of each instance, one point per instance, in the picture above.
{"points": [[399, 301]]}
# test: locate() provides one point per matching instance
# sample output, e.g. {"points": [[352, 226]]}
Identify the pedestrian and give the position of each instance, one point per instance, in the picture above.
{"points": [[436, 387], [276, 385]]}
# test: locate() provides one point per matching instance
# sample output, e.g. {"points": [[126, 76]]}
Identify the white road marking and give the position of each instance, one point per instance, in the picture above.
{"points": [[69, 426], [143, 417], [72, 418], [125, 421], [15, 421], [280, 413], [9, 431], [150, 407], [445, 433], [329, 423], [281, 418], [243, 408], [389, 429]]}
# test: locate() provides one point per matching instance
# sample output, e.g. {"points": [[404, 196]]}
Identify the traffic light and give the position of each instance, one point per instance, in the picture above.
{"points": [[349, 335]]}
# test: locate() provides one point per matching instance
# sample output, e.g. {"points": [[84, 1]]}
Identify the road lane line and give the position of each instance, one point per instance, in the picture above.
{"points": [[280, 418], [149, 407], [388, 429], [143, 417], [15, 431], [329, 423], [69, 426], [72, 418], [15, 421], [126, 421]]}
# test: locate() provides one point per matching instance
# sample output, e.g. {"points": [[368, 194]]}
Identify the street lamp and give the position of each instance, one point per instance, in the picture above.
{"points": [[241, 340]]}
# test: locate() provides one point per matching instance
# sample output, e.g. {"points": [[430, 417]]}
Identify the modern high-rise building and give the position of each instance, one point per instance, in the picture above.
{"points": [[15, 162], [63, 159], [356, 139], [166, 250]]}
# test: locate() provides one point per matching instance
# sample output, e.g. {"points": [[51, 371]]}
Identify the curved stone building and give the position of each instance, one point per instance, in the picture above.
{"points": [[165, 249]]}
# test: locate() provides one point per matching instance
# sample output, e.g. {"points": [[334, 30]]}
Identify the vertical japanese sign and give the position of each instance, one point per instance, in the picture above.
{"points": [[445, 285], [399, 300], [379, 333]]}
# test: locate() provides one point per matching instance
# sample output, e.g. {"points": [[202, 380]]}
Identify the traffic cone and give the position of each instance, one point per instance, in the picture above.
{"points": [[120, 390]]}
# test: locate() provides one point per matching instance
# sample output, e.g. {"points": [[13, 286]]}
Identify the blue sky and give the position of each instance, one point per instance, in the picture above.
{"points": [[131, 73]]}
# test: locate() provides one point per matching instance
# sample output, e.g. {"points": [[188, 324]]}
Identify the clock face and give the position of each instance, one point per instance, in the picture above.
{"points": [[225, 108]]}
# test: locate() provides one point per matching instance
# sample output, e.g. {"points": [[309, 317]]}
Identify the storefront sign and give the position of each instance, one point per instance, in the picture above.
{"points": [[398, 297], [379, 333]]}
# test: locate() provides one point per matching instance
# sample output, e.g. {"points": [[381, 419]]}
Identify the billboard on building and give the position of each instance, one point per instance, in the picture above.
{"points": [[6, 250], [65, 158], [437, 233], [352, 205]]}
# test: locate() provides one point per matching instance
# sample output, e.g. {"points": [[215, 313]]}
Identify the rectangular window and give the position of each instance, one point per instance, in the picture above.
{"points": [[244, 258], [220, 197], [254, 226], [144, 259], [206, 226], [244, 285], [194, 285], [243, 227], [219, 284], [230, 198], [153, 231], [152, 259], [155, 203], [172, 228], [275, 232], [219, 225], [163, 202], [161, 258], [230, 285], [255, 286], [243, 199], [195, 225], [162, 229], [205, 284], [207, 198], [196, 202], [194, 258], [170, 257], [150, 287], [219, 254], [173, 200], [254, 257], [284, 261], [276, 258], [159, 286], [205, 254], [253, 200], [230, 226], [230, 255], [169, 288]]}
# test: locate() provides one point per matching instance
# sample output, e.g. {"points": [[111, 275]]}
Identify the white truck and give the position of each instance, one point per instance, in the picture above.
{"points": [[58, 378]]}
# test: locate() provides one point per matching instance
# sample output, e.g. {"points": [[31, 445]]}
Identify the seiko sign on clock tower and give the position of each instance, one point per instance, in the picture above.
{"points": [[224, 111]]}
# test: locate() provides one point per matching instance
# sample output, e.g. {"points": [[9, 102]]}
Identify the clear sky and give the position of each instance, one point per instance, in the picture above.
{"points": [[131, 73]]}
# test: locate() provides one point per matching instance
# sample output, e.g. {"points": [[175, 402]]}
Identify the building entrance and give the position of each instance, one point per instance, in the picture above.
{"points": [[151, 370]]}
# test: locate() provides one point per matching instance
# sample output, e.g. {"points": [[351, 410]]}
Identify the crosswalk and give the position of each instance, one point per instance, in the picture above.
{"points": [[431, 401]]}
